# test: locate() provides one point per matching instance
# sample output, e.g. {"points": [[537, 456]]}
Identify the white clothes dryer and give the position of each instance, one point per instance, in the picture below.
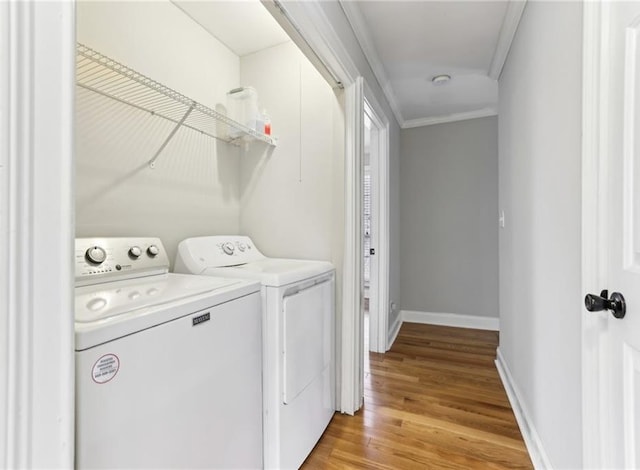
{"points": [[298, 318], [168, 366]]}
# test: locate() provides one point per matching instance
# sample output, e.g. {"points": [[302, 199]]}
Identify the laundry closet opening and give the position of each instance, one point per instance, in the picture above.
{"points": [[287, 197]]}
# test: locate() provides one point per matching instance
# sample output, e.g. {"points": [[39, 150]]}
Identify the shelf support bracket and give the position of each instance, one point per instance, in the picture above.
{"points": [[152, 162]]}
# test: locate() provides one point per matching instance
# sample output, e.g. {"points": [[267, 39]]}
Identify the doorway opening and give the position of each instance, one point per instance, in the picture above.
{"points": [[368, 250], [374, 232]]}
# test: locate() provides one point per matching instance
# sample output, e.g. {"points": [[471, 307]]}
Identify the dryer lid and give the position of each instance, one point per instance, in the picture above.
{"points": [[274, 272]]}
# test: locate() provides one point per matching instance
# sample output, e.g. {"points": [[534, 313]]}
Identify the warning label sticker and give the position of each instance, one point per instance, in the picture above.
{"points": [[105, 368]]}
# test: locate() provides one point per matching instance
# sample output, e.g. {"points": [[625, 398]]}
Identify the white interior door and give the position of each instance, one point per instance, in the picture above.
{"points": [[618, 339], [378, 233], [370, 231]]}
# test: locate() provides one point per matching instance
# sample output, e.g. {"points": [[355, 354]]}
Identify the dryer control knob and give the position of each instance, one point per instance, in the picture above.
{"points": [[153, 250], [95, 255], [242, 246], [228, 248], [135, 251]]}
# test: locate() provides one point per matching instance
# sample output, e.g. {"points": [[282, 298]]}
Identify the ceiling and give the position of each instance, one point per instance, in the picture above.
{"points": [[407, 44], [244, 26]]}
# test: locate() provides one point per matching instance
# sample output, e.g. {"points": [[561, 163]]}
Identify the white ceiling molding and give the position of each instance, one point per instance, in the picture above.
{"points": [[485, 112], [507, 33], [361, 32]]}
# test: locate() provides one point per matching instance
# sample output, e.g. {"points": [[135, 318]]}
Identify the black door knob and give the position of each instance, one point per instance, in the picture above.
{"points": [[616, 304], [597, 303]]}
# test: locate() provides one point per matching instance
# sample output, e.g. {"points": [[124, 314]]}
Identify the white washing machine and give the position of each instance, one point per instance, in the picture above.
{"points": [[168, 366], [298, 309]]}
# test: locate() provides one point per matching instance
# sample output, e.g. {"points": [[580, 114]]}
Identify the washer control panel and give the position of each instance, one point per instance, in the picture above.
{"points": [[109, 259]]}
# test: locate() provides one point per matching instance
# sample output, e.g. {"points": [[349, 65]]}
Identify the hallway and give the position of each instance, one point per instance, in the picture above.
{"points": [[433, 401]]}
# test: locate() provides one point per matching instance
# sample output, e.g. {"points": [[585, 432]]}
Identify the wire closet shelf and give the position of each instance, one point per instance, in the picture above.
{"points": [[107, 77]]}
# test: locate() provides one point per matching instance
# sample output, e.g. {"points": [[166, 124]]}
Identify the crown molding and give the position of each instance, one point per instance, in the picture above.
{"points": [[508, 30], [428, 121], [507, 33], [358, 25]]}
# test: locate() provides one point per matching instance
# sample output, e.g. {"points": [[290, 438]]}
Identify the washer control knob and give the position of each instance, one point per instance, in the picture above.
{"points": [[153, 250], [228, 248], [242, 246], [95, 255], [135, 252]]}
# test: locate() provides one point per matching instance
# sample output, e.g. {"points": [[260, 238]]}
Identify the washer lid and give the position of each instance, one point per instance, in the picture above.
{"points": [[274, 272], [116, 309], [102, 302]]}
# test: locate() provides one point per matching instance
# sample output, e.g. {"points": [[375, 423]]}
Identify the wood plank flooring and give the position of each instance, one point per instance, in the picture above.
{"points": [[434, 401]]}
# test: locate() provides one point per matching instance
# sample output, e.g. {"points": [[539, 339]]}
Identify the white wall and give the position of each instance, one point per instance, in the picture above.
{"points": [[281, 197], [540, 187], [194, 189], [349, 44], [292, 198], [287, 195], [159, 40], [448, 216]]}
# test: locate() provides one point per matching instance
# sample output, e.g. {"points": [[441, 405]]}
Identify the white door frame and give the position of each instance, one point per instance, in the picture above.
{"points": [[596, 424], [379, 322], [308, 25], [36, 234], [352, 349]]}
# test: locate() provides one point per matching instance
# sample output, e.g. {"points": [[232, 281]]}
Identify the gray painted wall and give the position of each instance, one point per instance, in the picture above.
{"points": [[540, 192], [449, 218], [394, 220]]}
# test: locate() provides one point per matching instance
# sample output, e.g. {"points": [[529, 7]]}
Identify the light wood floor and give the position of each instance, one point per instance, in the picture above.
{"points": [[434, 401]]}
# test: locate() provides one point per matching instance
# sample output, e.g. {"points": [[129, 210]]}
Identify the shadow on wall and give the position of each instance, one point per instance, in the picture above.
{"points": [[114, 143], [193, 189], [254, 162]]}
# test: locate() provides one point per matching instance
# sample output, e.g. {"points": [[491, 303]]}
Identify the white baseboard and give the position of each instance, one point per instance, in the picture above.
{"points": [[531, 439], [395, 329], [451, 319]]}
